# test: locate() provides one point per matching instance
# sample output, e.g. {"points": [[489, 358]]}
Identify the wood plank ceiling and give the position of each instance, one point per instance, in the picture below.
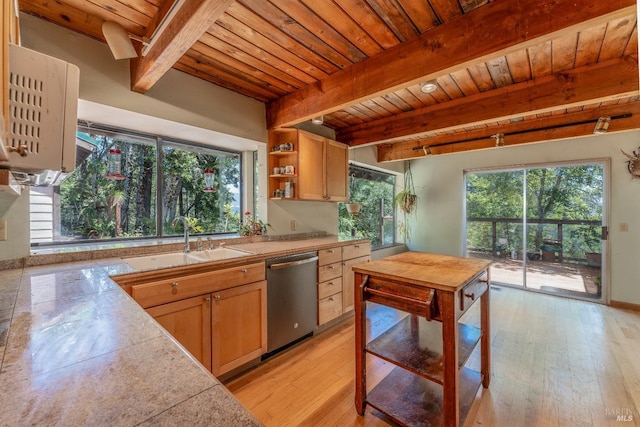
{"points": [[532, 70]]}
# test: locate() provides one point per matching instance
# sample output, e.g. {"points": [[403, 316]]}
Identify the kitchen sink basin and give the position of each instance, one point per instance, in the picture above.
{"points": [[220, 254], [173, 259]]}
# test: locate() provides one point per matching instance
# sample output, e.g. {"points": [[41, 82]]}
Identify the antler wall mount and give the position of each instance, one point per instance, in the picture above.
{"points": [[633, 164]]}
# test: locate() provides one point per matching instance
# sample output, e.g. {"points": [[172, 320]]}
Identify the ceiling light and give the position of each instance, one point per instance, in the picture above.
{"points": [[318, 120], [118, 40], [428, 87], [602, 124]]}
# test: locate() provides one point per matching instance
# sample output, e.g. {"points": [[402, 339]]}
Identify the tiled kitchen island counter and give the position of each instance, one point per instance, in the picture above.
{"points": [[75, 349]]}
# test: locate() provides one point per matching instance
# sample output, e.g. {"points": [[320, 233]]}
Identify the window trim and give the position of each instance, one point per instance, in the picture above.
{"points": [[373, 170], [159, 141]]}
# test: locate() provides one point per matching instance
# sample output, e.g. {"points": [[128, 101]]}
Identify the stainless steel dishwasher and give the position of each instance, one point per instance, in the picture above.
{"points": [[292, 299]]}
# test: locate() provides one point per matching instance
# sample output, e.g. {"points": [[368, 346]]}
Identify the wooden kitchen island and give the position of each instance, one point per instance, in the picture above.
{"points": [[429, 347]]}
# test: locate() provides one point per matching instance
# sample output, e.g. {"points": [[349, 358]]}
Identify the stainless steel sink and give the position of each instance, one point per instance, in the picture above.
{"points": [[175, 259], [220, 254]]}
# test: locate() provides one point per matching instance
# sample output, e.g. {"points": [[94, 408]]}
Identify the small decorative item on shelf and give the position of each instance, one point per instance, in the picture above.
{"points": [[114, 164], [251, 226], [288, 189], [209, 181], [283, 147]]}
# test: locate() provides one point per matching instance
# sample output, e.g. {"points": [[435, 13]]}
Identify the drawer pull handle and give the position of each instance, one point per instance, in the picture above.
{"points": [[472, 295], [330, 251], [217, 297], [357, 246], [208, 299], [332, 267], [244, 270], [330, 299], [174, 285], [330, 283]]}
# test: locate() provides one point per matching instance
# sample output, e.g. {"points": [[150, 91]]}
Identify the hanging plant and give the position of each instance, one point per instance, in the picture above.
{"points": [[407, 199], [353, 207]]}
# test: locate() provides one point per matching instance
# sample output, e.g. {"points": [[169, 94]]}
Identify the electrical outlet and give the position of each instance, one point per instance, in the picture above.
{"points": [[293, 225], [3, 230]]}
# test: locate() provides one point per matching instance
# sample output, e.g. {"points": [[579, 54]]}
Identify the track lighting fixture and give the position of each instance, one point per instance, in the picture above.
{"points": [[602, 124]]}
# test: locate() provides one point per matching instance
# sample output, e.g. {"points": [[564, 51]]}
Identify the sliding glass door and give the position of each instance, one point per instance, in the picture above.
{"points": [[542, 227]]}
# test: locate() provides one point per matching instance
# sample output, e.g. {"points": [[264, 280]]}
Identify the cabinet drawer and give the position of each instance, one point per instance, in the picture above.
{"points": [[327, 272], [470, 293], [356, 250], [329, 256], [163, 291], [329, 308], [330, 287]]}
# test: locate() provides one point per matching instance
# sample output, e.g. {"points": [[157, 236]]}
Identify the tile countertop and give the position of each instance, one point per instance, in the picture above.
{"points": [[75, 349]]}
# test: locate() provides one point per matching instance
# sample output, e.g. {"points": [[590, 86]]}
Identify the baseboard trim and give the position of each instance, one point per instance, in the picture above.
{"points": [[625, 305]]}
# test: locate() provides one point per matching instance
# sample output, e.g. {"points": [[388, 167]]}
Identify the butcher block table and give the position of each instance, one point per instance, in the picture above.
{"points": [[429, 385]]}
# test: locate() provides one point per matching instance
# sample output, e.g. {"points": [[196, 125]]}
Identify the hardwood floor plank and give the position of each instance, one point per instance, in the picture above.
{"points": [[555, 362]]}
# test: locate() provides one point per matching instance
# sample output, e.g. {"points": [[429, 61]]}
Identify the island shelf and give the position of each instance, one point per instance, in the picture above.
{"points": [[430, 384]]}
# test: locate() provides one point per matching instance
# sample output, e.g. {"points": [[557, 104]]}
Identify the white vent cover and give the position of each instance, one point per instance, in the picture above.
{"points": [[43, 106]]}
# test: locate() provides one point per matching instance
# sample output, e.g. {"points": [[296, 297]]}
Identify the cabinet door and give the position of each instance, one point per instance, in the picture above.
{"points": [[311, 172], [238, 326], [337, 160], [348, 290], [189, 322]]}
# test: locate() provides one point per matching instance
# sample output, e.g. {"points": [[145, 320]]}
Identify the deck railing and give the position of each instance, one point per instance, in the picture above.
{"points": [[559, 223]]}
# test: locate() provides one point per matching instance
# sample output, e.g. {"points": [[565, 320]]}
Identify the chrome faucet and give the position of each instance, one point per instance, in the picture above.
{"points": [[186, 231]]}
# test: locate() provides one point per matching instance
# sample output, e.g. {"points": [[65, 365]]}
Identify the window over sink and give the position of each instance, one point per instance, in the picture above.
{"points": [[158, 180]]}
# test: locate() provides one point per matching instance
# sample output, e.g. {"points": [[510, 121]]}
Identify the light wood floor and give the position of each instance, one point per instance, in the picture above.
{"points": [[555, 362]]}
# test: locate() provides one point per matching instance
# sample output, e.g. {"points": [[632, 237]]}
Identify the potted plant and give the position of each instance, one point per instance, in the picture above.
{"points": [[251, 226], [352, 207], [593, 242], [406, 199]]}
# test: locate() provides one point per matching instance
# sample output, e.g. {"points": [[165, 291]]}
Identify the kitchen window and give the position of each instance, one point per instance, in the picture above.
{"points": [[376, 219], [159, 179]]}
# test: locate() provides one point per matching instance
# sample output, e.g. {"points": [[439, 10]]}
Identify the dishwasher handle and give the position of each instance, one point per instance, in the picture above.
{"points": [[288, 264]]}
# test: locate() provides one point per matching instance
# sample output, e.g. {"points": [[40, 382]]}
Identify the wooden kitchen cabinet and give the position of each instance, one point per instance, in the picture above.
{"points": [[189, 322], [329, 284], [219, 316], [319, 166], [335, 279], [238, 326], [353, 254], [323, 168]]}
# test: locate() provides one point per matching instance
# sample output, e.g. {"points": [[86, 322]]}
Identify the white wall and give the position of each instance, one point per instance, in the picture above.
{"points": [[438, 225]]}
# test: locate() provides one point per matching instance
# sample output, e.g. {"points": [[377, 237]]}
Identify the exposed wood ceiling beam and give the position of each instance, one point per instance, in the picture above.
{"points": [[485, 33], [190, 22], [562, 126], [608, 80]]}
